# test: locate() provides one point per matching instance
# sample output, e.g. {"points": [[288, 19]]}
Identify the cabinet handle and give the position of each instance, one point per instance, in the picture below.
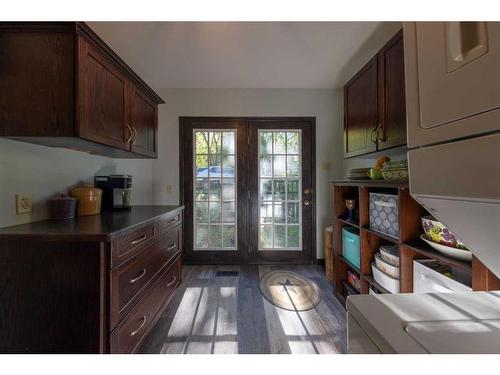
{"points": [[143, 272], [171, 246], [135, 135], [131, 133], [381, 139], [143, 321], [170, 283], [139, 239], [173, 220], [373, 135]]}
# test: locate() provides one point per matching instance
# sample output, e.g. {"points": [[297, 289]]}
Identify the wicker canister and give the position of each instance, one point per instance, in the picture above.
{"points": [[89, 200], [62, 207]]}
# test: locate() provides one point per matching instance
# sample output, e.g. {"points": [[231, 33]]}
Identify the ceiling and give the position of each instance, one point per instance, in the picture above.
{"points": [[238, 54]]}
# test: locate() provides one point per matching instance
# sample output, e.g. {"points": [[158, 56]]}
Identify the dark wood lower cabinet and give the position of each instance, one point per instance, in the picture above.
{"points": [[60, 292]]}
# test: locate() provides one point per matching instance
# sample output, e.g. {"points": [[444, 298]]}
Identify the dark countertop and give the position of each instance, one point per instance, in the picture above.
{"points": [[95, 227]]}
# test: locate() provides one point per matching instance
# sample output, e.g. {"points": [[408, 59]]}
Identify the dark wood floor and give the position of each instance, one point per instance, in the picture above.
{"points": [[227, 314]]}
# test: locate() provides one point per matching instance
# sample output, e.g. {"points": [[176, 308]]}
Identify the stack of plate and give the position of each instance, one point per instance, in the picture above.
{"points": [[357, 174]]}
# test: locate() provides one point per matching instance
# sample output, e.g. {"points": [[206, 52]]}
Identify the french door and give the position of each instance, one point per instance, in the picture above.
{"points": [[247, 185]]}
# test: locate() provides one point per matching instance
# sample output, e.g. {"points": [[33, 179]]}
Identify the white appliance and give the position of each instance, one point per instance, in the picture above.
{"points": [[426, 279], [424, 323], [452, 75]]}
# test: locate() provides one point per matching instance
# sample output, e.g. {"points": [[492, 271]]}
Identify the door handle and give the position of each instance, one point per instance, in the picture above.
{"points": [[307, 191], [307, 202]]}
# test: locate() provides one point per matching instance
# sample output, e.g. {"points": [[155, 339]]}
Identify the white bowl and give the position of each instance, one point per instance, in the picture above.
{"points": [[389, 283], [450, 251], [386, 267], [390, 254]]}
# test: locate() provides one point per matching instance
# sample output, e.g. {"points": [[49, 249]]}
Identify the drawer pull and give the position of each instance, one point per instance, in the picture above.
{"points": [[143, 272], [139, 239], [171, 246], [143, 321], [170, 283], [173, 220]]}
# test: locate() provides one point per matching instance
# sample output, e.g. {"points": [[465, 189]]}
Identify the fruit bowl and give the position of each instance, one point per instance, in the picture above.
{"points": [[448, 250], [438, 233]]}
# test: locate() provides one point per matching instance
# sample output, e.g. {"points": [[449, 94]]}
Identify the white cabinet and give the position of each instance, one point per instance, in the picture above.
{"points": [[452, 80]]}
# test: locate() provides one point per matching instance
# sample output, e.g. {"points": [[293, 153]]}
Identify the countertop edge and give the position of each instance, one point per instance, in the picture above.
{"points": [[80, 237]]}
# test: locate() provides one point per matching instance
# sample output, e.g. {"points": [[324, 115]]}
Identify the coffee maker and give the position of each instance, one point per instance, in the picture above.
{"points": [[116, 191]]}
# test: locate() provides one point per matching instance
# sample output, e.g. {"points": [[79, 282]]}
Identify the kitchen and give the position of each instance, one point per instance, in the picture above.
{"points": [[136, 173]]}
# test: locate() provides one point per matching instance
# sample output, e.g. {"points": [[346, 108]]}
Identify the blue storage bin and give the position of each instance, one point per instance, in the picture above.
{"points": [[350, 246]]}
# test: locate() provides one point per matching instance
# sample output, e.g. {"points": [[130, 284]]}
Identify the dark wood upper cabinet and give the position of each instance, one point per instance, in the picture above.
{"points": [[374, 103], [360, 111], [63, 86], [143, 119], [392, 106]]}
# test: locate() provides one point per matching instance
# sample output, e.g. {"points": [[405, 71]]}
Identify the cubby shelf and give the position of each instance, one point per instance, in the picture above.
{"points": [[410, 245]]}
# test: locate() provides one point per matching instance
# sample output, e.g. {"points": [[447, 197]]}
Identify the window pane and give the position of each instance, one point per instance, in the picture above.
{"points": [[293, 236], [279, 213], [266, 236], [228, 236], [228, 189], [292, 166], [215, 212], [279, 236], [266, 168], [215, 236], [201, 236], [228, 143], [201, 143], [279, 166], [279, 189], [215, 189], [266, 213], [201, 209], [292, 213], [201, 189], [215, 142], [292, 143], [266, 189], [279, 143], [228, 166], [228, 211], [293, 190], [266, 143]]}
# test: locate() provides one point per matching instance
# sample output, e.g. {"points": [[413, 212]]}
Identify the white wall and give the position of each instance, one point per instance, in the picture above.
{"points": [[44, 171], [322, 104]]}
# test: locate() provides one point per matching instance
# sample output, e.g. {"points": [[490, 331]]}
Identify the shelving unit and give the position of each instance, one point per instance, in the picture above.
{"points": [[410, 245]]}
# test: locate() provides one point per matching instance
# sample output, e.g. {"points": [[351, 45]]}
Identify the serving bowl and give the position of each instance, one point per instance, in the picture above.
{"points": [[448, 250], [438, 233]]}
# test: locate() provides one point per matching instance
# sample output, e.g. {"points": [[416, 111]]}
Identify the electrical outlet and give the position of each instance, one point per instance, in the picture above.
{"points": [[23, 204], [169, 189]]}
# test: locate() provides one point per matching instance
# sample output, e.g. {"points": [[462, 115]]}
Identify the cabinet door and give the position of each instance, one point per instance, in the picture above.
{"points": [[392, 111], [453, 85], [103, 99], [143, 120], [360, 111]]}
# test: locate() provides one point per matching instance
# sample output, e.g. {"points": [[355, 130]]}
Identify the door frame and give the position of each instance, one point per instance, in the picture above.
{"points": [[241, 256]]}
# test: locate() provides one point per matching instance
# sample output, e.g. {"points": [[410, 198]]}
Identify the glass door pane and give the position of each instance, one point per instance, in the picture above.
{"points": [[280, 193], [215, 176]]}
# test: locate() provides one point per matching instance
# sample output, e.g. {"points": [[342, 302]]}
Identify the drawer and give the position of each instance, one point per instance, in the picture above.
{"points": [[165, 224], [129, 280], [130, 243], [129, 334]]}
